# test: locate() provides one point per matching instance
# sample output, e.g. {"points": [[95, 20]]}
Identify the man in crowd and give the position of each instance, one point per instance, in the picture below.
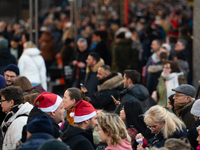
{"points": [[123, 52], [101, 48], [12, 103], [79, 136], [52, 105], [133, 91], [181, 45], [183, 101], [109, 84], [11, 73], [79, 61], [91, 81]]}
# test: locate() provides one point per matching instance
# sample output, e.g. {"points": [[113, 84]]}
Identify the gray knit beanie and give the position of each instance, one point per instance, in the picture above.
{"points": [[196, 108]]}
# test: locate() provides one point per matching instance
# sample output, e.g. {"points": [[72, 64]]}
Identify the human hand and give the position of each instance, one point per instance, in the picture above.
{"points": [[81, 65], [139, 136], [139, 147], [83, 89], [74, 62], [154, 96]]}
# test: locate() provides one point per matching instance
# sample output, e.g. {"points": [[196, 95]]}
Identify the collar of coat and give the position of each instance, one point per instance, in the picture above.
{"points": [[111, 83], [96, 67]]}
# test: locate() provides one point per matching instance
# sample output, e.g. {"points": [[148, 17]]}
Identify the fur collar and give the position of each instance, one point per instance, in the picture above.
{"points": [[111, 83], [96, 67]]}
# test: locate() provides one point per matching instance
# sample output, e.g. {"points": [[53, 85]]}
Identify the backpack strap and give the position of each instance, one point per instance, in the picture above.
{"points": [[22, 115]]}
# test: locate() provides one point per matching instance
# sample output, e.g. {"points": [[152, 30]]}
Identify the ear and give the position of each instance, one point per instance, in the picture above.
{"points": [[107, 132], [73, 101], [188, 99], [129, 81], [52, 114], [12, 103], [86, 121]]}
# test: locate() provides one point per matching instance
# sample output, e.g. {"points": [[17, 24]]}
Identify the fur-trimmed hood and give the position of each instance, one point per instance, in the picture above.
{"points": [[111, 83], [96, 67]]}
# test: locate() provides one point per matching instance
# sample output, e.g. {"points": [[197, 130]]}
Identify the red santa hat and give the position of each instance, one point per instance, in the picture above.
{"points": [[83, 111], [48, 102]]}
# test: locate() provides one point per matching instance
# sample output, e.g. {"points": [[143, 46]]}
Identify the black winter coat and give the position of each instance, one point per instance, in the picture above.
{"points": [[78, 139], [112, 85], [193, 134], [80, 57], [5, 59], [91, 82], [137, 93], [103, 52], [159, 140]]}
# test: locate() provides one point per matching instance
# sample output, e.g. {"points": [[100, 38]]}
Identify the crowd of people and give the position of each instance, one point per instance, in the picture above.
{"points": [[127, 87]]}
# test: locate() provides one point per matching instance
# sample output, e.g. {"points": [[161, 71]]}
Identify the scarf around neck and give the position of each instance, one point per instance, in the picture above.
{"points": [[172, 82], [155, 57], [181, 106], [5, 124]]}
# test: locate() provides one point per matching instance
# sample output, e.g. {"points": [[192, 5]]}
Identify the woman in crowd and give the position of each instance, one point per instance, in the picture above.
{"points": [[71, 97], [171, 77], [24, 83], [131, 114], [31, 65], [112, 131], [164, 125], [170, 103]]}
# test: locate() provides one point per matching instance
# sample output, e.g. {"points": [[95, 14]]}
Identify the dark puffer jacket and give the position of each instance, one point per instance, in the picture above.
{"points": [[78, 139], [137, 93]]}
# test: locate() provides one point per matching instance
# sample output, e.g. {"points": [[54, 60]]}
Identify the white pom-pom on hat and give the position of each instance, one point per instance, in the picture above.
{"points": [[71, 114]]}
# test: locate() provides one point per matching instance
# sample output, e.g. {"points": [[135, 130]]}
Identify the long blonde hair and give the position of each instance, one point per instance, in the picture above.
{"points": [[159, 114], [115, 125]]}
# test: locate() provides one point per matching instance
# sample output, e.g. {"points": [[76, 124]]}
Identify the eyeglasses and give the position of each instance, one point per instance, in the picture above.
{"points": [[3, 100], [152, 127], [7, 76], [178, 95], [166, 68]]}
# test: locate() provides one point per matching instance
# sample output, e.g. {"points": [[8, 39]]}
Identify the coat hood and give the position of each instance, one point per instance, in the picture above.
{"points": [[32, 51], [112, 82], [138, 91], [96, 67], [73, 131]]}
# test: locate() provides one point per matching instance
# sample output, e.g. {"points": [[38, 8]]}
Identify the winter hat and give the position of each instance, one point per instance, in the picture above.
{"points": [[167, 46], [186, 89], [12, 67], [2, 82], [53, 144], [48, 102], [41, 124], [83, 111], [196, 108], [121, 35], [3, 43]]}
